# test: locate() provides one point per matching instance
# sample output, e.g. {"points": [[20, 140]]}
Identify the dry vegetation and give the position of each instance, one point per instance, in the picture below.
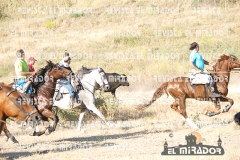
{"points": [[45, 29]]}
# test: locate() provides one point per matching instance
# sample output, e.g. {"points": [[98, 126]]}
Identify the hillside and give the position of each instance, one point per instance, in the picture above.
{"points": [[143, 39]]}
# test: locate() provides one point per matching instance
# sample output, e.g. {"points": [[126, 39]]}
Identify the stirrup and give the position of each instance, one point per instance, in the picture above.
{"points": [[215, 95]]}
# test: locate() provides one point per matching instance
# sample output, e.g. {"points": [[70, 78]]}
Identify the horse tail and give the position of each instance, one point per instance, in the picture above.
{"points": [[158, 93]]}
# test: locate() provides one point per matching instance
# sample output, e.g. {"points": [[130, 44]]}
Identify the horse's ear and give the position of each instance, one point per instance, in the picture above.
{"points": [[224, 57], [100, 69]]}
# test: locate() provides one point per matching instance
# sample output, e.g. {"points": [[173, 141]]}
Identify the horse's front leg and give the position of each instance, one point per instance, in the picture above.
{"points": [[89, 103], [45, 115], [218, 107], [8, 134], [49, 114], [226, 99], [80, 119], [45, 125]]}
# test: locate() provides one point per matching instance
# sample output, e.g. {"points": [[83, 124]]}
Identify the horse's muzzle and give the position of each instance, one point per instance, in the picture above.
{"points": [[106, 87]]}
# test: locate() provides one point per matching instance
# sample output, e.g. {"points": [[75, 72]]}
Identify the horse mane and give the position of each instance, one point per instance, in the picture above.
{"points": [[222, 58], [41, 73], [84, 70]]}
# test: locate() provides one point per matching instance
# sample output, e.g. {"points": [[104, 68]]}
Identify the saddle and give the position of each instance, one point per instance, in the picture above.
{"points": [[84, 70]]}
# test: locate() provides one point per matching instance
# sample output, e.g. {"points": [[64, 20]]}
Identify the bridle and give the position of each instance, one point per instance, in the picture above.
{"points": [[104, 80]]}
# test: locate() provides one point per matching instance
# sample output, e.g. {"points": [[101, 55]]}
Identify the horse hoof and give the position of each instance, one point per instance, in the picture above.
{"points": [[13, 139], [33, 134], [211, 114], [49, 130], [226, 109]]}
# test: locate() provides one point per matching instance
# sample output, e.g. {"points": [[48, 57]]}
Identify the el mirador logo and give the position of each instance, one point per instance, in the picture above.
{"points": [[194, 146]]}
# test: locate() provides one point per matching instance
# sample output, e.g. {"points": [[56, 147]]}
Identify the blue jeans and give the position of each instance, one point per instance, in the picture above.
{"points": [[67, 85], [21, 82]]}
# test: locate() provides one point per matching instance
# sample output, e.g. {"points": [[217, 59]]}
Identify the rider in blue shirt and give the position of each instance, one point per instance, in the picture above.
{"points": [[197, 64]]}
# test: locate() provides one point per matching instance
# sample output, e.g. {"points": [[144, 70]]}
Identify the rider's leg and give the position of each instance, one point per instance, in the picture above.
{"points": [[212, 84], [59, 95]]}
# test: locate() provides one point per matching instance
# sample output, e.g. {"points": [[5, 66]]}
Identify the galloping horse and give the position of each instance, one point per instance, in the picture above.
{"points": [[180, 89], [11, 106], [90, 80], [44, 85]]}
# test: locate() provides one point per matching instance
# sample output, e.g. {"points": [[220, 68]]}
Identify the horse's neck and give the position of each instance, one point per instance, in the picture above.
{"points": [[223, 71], [89, 83], [49, 86], [223, 66]]}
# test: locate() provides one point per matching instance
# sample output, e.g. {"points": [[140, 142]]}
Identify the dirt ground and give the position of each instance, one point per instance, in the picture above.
{"points": [[140, 135]]}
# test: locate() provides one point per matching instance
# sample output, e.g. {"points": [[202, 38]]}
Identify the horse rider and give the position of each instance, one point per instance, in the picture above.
{"points": [[31, 62], [22, 72], [197, 64], [61, 63], [66, 82]]}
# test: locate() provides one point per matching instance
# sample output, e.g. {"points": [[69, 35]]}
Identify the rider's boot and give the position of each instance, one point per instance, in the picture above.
{"points": [[213, 89], [58, 96]]}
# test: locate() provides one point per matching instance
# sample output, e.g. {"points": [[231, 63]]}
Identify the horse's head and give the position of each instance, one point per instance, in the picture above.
{"points": [[123, 80], [102, 79], [17, 106], [58, 72], [227, 63]]}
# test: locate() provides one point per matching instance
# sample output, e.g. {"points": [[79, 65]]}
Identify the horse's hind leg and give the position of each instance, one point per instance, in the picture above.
{"points": [[182, 104], [9, 135], [174, 106]]}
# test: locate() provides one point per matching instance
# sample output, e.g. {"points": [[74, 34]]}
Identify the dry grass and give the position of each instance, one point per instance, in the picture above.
{"points": [[87, 34]]}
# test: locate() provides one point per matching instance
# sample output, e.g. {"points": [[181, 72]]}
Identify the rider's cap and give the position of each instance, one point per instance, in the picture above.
{"points": [[32, 59]]}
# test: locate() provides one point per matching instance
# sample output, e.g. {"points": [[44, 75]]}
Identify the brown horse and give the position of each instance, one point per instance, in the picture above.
{"points": [[44, 85], [180, 89], [10, 106]]}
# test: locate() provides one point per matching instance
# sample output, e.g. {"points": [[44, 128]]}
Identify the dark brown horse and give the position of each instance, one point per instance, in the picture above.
{"points": [[44, 85], [10, 106], [180, 89]]}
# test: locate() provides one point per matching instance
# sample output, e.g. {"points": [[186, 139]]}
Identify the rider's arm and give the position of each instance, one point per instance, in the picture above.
{"points": [[27, 73], [206, 62]]}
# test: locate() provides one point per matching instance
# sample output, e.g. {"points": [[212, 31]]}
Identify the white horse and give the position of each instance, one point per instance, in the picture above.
{"points": [[89, 83]]}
